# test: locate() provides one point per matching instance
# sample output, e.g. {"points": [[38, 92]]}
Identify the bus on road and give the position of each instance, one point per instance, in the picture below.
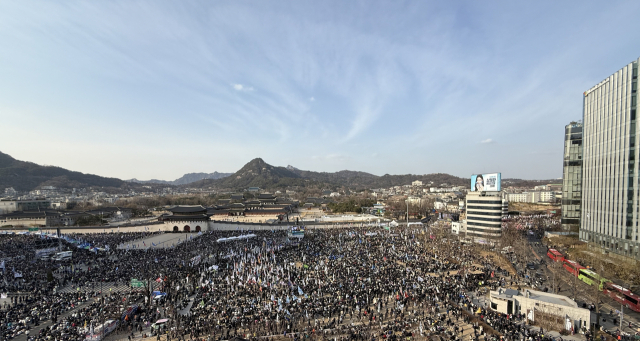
{"points": [[555, 255], [591, 278], [573, 267], [623, 296]]}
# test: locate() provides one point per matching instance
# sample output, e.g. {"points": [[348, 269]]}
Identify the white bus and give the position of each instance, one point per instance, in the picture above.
{"points": [[64, 255]]}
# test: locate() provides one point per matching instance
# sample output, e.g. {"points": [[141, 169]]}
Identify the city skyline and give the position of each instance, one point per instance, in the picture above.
{"points": [[156, 89]]}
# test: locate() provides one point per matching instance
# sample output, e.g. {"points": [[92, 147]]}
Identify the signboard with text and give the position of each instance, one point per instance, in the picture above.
{"points": [[485, 182]]}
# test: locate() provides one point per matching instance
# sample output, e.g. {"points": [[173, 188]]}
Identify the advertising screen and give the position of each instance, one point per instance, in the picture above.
{"points": [[485, 182]]}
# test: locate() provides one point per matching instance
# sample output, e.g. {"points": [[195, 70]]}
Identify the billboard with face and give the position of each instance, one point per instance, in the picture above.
{"points": [[485, 182]]}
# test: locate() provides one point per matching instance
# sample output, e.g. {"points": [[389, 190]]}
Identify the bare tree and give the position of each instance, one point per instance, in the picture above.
{"points": [[594, 293], [549, 317], [555, 268], [576, 287]]}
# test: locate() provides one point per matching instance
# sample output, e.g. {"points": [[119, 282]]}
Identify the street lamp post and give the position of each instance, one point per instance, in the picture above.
{"points": [[621, 315], [407, 212]]}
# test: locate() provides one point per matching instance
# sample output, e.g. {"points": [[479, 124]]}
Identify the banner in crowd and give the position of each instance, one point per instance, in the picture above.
{"points": [[195, 260]]}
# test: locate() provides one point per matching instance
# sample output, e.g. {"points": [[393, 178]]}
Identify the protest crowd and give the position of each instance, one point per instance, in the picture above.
{"points": [[334, 284]]}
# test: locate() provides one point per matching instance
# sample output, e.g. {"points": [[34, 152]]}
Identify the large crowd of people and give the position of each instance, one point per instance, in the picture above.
{"points": [[335, 283]]}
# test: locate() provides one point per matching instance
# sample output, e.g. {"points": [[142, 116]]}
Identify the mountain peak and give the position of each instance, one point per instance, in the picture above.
{"points": [[256, 165], [256, 162], [6, 160], [258, 173]]}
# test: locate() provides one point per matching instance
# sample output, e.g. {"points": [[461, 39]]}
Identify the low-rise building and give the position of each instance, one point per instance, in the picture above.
{"points": [[8, 206], [453, 207], [30, 218], [532, 196], [541, 305], [459, 228]]}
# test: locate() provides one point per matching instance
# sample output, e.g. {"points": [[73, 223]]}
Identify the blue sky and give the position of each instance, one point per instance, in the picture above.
{"points": [[156, 89]]}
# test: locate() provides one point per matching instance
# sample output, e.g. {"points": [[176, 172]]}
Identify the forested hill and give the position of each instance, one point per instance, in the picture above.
{"points": [[27, 176], [258, 173]]}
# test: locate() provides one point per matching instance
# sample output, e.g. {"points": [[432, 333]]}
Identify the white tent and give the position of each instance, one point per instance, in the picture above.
{"points": [[230, 239]]}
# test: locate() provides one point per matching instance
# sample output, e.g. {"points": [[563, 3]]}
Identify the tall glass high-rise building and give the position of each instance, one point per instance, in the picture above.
{"points": [[610, 207], [572, 177]]}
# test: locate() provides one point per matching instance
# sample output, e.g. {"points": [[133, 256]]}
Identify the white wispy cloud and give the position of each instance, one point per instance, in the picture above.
{"points": [[240, 87], [400, 83]]}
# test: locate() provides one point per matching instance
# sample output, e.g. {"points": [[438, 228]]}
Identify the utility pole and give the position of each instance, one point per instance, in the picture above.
{"points": [[407, 212]]}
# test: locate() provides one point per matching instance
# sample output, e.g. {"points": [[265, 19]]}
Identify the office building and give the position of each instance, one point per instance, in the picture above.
{"points": [[538, 305], [572, 177], [8, 206], [532, 197], [609, 204], [484, 215]]}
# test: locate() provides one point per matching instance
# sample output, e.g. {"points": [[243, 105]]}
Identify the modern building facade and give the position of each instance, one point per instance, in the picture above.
{"points": [[8, 206], [532, 197], [572, 177], [610, 207], [538, 305], [484, 215]]}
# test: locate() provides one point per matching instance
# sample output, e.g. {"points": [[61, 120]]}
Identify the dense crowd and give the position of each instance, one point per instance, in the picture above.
{"points": [[339, 283], [536, 223]]}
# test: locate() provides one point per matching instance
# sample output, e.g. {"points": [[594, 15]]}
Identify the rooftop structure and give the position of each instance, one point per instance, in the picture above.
{"points": [[542, 304]]}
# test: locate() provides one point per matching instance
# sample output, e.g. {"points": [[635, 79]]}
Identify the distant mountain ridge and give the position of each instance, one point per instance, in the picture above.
{"points": [[185, 179], [258, 173], [27, 176]]}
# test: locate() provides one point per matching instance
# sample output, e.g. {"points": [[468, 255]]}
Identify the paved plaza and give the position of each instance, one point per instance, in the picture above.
{"points": [[158, 241]]}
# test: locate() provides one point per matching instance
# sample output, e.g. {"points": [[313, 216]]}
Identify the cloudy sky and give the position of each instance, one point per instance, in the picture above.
{"points": [[161, 88]]}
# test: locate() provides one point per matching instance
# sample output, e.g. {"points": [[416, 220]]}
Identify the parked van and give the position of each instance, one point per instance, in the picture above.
{"points": [[63, 255]]}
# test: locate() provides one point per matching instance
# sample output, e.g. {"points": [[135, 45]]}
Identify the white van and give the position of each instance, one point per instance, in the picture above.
{"points": [[63, 255]]}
